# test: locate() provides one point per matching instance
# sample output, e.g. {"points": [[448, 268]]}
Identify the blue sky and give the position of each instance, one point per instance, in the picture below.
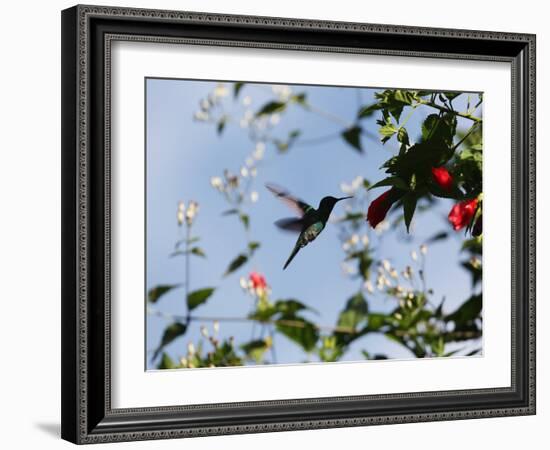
{"points": [[182, 156]]}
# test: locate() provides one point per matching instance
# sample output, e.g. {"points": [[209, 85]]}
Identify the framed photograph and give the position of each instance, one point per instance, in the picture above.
{"points": [[280, 224]]}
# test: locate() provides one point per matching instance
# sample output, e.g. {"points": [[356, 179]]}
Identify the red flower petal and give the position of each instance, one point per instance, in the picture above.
{"points": [[258, 280], [442, 177], [462, 213], [379, 208]]}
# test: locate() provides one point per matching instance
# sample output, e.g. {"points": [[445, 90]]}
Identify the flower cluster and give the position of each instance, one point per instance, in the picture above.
{"points": [[236, 186], [207, 106], [353, 187], [188, 214], [256, 284]]}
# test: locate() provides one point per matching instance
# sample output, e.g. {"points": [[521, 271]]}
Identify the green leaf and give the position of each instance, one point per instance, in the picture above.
{"points": [[376, 321], [253, 246], [403, 136], [236, 263], [221, 125], [405, 97], [353, 137], [439, 129], [438, 237], [466, 312], [290, 307], [409, 205], [355, 312], [391, 181], [155, 293], [171, 332], [166, 362], [429, 125], [438, 346], [367, 111], [474, 245], [452, 95], [237, 88], [198, 251], [475, 270], [245, 219], [389, 129], [198, 297], [300, 331], [299, 99], [255, 349], [271, 108], [294, 134]]}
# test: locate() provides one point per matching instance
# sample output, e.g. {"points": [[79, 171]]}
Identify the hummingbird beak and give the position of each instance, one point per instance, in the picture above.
{"points": [[344, 198]]}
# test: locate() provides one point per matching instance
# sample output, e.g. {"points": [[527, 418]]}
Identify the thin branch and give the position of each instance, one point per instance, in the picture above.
{"points": [[284, 322], [327, 115], [447, 110], [470, 131]]}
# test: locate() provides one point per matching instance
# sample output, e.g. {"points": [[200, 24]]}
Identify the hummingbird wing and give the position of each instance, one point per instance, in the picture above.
{"points": [[299, 206], [291, 224]]}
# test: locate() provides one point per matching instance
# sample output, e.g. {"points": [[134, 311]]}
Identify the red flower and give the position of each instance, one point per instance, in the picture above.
{"points": [[258, 280], [442, 177], [379, 208], [462, 213]]}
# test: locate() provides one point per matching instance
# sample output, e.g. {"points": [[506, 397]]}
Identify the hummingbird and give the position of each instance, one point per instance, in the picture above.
{"points": [[310, 221]]}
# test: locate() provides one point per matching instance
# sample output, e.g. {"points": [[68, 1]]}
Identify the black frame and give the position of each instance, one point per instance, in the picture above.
{"points": [[87, 32]]}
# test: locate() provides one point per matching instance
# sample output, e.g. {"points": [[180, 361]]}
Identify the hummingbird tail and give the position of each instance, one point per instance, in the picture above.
{"points": [[292, 255]]}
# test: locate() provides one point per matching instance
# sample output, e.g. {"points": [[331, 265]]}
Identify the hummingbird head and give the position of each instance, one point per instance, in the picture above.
{"points": [[327, 203]]}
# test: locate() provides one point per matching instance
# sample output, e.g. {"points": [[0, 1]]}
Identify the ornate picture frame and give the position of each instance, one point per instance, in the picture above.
{"points": [[88, 33]]}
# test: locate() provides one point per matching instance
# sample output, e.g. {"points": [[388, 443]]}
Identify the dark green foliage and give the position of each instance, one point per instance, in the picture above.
{"points": [[467, 312], [237, 89], [158, 291], [198, 297], [166, 362], [171, 332], [299, 330], [255, 350], [271, 108], [353, 137], [236, 263]]}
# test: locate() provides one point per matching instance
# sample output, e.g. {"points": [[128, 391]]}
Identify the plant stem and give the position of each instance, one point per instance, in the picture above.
{"points": [[327, 115], [187, 271], [450, 111], [470, 131]]}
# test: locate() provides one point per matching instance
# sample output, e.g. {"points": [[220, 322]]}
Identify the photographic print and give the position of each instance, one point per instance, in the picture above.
{"points": [[290, 224]]}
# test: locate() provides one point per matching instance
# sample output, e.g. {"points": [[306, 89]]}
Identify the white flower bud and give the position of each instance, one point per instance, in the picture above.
{"points": [[216, 183], [369, 287], [220, 91], [181, 213]]}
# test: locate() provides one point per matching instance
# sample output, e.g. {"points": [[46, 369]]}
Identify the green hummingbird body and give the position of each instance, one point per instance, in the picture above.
{"points": [[311, 223]]}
